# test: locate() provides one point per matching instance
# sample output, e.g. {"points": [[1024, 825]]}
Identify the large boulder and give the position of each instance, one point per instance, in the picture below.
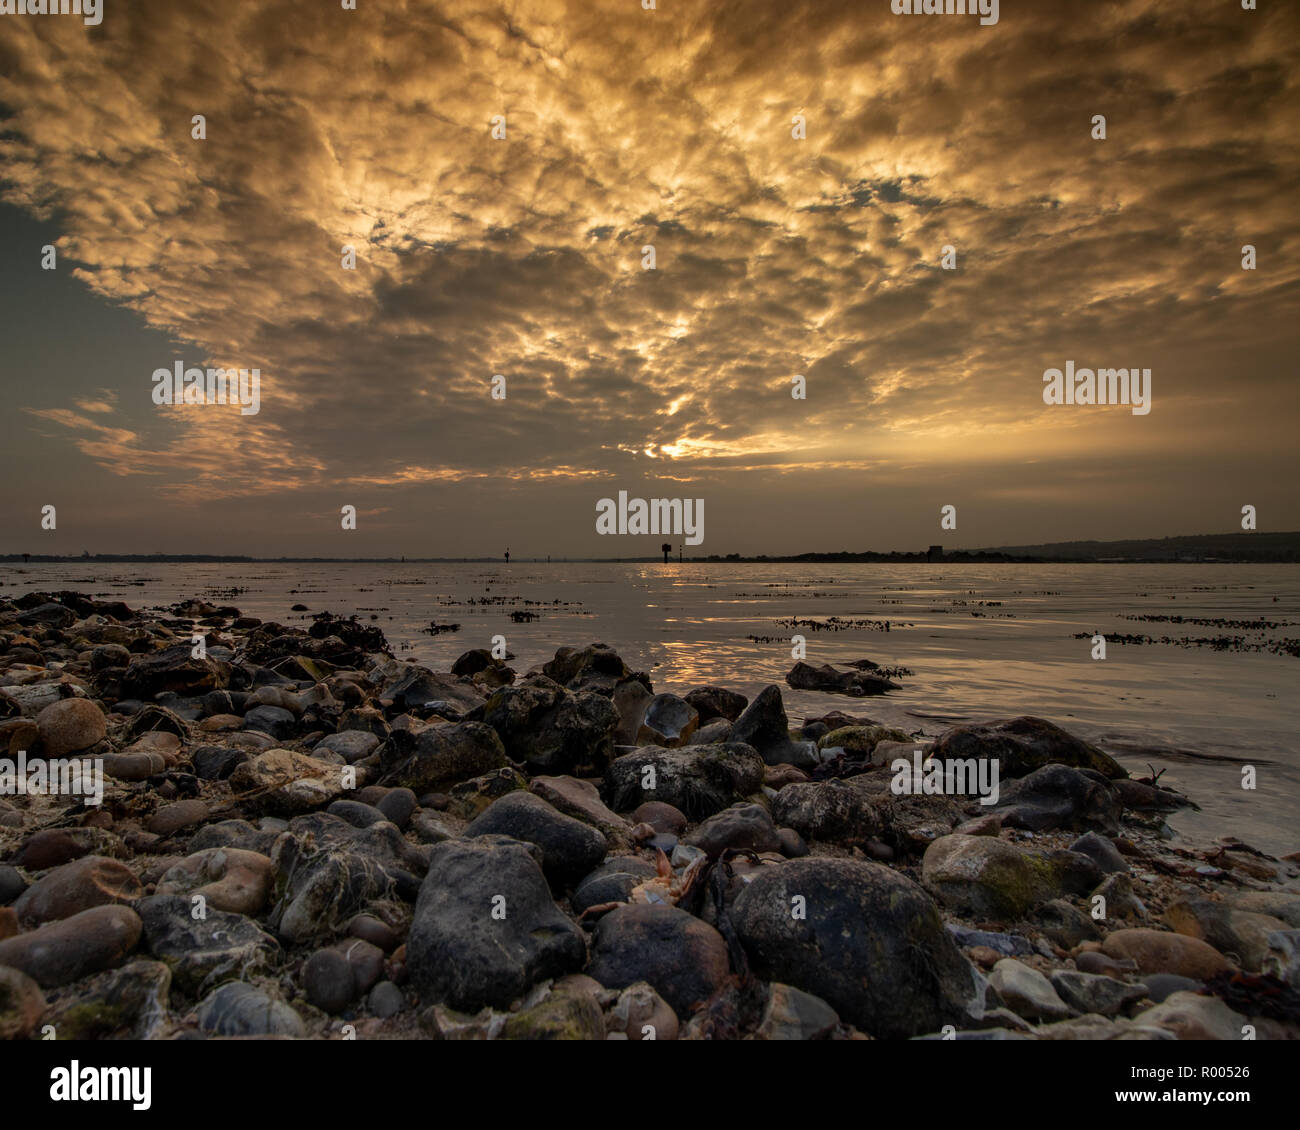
{"points": [[867, 940], [328, 870], [717, 702], [1024, 744], [668, 721], [765, 726], [581, 800], [204, 952], [805, 677], [683, 959], [281, 782], [415, 687], [742, 826], [596, 667], [485, 929], [630, 698], [1059, 797], [1241, 933], [173, 669], [550, 729], [443, 755], [570, 848], [698, 780], [836, 811], [983, 876]]}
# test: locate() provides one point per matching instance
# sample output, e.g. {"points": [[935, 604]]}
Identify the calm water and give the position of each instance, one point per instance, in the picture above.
{"points": [[982, 642]]}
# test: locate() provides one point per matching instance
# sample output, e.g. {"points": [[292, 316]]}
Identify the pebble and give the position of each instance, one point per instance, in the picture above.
{"points": [[385, 1000], [171, 818], [133, 766], [1027, 992], [229, 879], [792, 1014], [328, 981], [237, 1009], [373, 930], [21, 1004]]}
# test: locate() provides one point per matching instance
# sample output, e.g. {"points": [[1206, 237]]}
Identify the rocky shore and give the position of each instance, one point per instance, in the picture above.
{"points": [[302, 836]]}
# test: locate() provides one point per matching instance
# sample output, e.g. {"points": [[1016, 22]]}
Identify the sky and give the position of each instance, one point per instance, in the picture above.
{"points": [[775, 256]]}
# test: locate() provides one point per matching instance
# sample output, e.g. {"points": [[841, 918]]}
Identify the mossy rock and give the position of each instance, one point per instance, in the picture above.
{"points": [[859, 741], [564, 1015]]}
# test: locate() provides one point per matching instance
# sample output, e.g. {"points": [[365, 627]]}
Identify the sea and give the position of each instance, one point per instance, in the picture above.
{"points": [[1211, 696]]}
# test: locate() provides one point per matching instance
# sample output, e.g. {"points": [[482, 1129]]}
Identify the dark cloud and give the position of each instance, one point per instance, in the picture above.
{"points": [[775, 256]]}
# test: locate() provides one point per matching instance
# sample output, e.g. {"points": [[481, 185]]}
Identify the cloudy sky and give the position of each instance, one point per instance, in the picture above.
{"points": [[522, 256]]}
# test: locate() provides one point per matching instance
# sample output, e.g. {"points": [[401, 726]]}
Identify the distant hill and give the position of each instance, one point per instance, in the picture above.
{"points": [[1239, 546]]}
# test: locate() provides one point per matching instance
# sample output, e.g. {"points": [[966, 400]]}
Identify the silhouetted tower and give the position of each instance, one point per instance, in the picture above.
{"points": [[666, 549]]}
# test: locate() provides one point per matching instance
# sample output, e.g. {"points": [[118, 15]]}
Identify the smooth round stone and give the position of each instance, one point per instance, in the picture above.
{"points": [[661, 817], [366, 961], [792, 844], [664, 841], [1157, 951], [328, 981], [93, 880], [398, 805], [385, 1000], [357, 814], [162, 742], [12, 884], [50, 847], [133, 766], [1161, 985], [70, 725], [370, 929], [351, 745], [64, 951], [217, 762], [21, 1004], [273, 720], [230, 879], [219, 723], [173, 817]]}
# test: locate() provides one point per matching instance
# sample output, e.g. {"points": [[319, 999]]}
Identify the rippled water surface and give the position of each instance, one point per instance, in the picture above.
{"points": [[981, 642]]}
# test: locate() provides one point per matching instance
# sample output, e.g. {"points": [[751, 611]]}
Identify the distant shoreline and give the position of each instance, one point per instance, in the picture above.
{"points": [[1196, 549]]}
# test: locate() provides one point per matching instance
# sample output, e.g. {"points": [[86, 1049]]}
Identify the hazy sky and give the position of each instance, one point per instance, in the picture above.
{"points": [[775, 256]]}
